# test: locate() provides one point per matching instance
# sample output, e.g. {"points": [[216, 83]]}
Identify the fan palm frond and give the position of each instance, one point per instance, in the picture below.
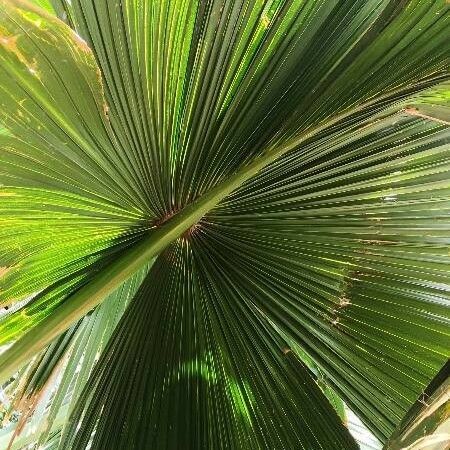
{"points": [[284, 166]]}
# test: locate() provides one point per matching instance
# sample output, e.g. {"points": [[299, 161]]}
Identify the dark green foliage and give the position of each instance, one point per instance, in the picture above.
{"points": [[284, 163]]}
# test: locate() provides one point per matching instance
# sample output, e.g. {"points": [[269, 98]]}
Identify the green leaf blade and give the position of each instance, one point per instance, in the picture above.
{"points": [[216, 382]]}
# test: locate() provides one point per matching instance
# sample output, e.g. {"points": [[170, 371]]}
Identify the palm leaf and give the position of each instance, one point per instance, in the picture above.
{"points": [[212, 387], [48, 5], [426, 423], [58, 372], [352, 268], [61, 219], [283, 168]]}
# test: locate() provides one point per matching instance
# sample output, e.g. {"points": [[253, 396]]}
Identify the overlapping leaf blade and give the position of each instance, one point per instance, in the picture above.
{"points": [[65, 367], [66, 202]]}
